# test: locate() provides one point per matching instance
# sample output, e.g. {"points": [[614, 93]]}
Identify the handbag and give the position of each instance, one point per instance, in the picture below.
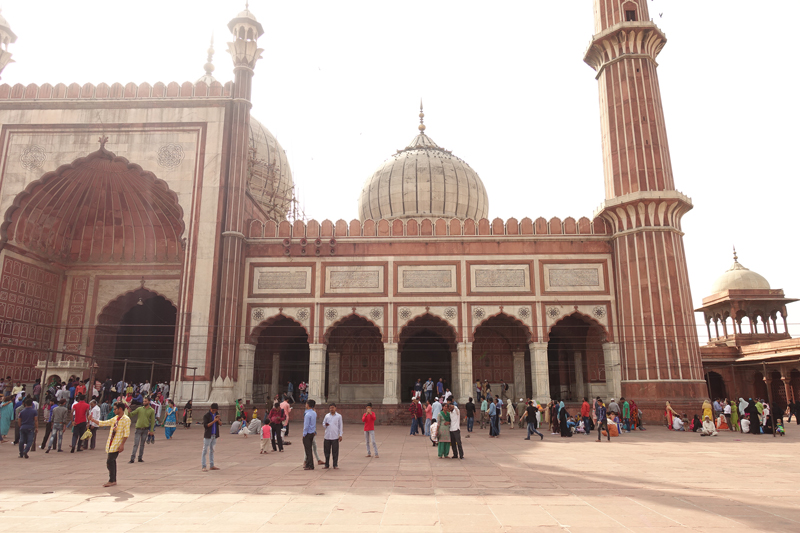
{"points": [[86, 434]]}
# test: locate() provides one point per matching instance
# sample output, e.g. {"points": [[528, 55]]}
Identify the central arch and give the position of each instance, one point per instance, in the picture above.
{"points": [[501, 352], [282, 355], [354, 361], [575, 358], [427, 349]]}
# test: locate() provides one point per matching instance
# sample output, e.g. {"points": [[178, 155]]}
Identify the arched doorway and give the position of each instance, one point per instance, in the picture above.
{"points": [[282, 355], [500, 351], [576, 363], [427, 347], [716, 385], [759, 386], [138, 327], [778, 392], [354, 361]]}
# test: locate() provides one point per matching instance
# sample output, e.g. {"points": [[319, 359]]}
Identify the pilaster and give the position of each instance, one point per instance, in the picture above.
{"points": [[464, 364], [613, 369], [244, 385], [391, 374], [316, 372], [276, 369], [333, 376], [519, 376], [540, 372], [580, 384]]}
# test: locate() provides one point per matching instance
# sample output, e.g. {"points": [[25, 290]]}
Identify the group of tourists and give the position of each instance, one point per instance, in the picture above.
{"points": [[754, 416]]}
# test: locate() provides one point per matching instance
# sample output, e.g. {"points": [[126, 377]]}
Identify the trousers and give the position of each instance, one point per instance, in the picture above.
{"points": [[470, 423], [77, 431], [275, 430], [57, 437], [307, 441], [111, 464], [370, 435], [331, 446], [26, 438], [139, 437], [47, 429], [532, 430], [208, 447], [455, 443], [600, 427]]}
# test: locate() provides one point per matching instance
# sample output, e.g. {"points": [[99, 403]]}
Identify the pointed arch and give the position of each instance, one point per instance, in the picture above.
{"points": [[330, 329], [511, 318], [430, 321], [582, 316], [276, 320]]}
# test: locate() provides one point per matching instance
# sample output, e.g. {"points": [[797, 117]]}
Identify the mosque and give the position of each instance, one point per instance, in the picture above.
{"points": [[150, 231]]}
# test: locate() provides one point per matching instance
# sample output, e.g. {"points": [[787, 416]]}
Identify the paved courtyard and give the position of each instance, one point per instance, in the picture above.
{"points": [[646, 481]]}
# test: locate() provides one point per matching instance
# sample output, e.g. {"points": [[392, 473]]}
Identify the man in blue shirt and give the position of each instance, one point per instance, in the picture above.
{"points": [[309, 431], [28, 422], [440, 387], [492, 412]]}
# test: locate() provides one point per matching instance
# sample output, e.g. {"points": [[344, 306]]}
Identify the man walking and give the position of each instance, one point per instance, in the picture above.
{"points": [[369, 429], [416, 413], [47, 413], [145, 425], [440, 388], [120, 431], [94, 418], [28, 423], [60, 422], [211, 424], [333, 436], [530, 415], [309, 431], [429, 390], [484, 412], [455, 431], [602, 420], [586, 411], [79, 411], [470, 408]]}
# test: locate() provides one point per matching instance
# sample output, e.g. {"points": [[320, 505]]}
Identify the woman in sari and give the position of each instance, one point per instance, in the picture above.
{"points": [[707, 410], [734, 417], [670, 413], [634, 415], [6, 414], [171, 421], [562, 421], [443, 418]]}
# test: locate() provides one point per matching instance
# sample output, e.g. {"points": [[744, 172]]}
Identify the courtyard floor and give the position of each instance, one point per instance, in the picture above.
{"points": [[647, 481]]}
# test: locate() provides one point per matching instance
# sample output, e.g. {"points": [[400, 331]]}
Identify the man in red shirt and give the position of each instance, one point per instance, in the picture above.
{"points": [[369, 429], [586, 416], [79, 411], [416, 413]]}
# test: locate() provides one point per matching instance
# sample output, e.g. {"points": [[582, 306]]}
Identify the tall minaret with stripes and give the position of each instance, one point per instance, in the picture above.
{"points": [[659, 349]]}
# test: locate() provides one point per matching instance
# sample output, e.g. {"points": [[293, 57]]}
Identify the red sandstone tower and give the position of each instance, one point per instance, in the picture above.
{"points": [[659, 350]]}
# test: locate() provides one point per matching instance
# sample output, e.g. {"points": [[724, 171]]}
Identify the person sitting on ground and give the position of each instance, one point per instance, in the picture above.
{"points": [[696, 424], [745, 422], [722, 423], [677, 424], [237, 425], [708, 428]]}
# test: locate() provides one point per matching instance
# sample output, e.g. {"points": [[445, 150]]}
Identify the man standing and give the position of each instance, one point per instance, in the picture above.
{"points": [[602, 420], [145, 425], [415, 409], [309, 431], [290, 391], [418, 389], [484, 411], [60, 422], [440, 388], [369, 429], [613, 407], [586, 411], [470, 408], [119, 433], [47, 414], [533, 422], [626, 415], [455, 431], [429, 390], [492, 413], [28, 423], [79, 411], [286, 406], [333, 436], [503, 390], [211, 423], [94, 418]]}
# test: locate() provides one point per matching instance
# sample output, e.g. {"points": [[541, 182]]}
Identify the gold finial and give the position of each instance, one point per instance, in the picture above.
{"points": [[421, 117], [735, 257]]}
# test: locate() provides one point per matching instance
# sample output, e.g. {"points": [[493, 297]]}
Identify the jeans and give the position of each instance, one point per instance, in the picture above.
{"points": [[428, 422], [331, 446], [26, 438], [532, 430], [494, 425], [307, 440], [56, 437], [275, 430], [47, 429], [93, 440], [470, 423], [421, 424], [111, 464], [208, 446], [429, 395], [414, 426], [139, 437], [600, 427], [455, 443], [626, 423], [77, 431], [370, 435]]}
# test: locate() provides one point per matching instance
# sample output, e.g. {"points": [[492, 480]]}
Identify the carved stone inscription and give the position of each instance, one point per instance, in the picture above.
{"points": [[427, 279], [355, 279], [504, 277], [577, 277], [271, 280]]}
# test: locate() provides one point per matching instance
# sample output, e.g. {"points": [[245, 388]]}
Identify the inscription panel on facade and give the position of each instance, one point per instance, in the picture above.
{"points": [[500, 278], [354, 279], [426, 278], [281, 280], [574, 278]]}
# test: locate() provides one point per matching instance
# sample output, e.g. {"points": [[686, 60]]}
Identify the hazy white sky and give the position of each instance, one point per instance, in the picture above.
{"points": [[505, 89]]}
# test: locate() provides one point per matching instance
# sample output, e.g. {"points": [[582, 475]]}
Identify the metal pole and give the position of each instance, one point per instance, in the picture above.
{"points": [[152, 368], [769, 396], [124, 371]]}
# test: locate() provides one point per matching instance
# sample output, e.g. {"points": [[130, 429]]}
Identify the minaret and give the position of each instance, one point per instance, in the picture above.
{"points": [[245, 53], [6, 37], [659, 349]]}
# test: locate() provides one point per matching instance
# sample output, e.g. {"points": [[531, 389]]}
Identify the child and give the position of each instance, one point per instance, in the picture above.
{"points": [[435, 434], [779, 428], [266, 437]]}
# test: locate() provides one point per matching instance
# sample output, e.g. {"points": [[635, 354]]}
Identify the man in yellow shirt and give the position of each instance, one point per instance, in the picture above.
{"points": [[119, 433]]}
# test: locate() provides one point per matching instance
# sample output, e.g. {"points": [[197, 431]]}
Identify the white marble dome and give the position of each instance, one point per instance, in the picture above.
{"points": [[738, 277], [423, 180], [269, 176]]}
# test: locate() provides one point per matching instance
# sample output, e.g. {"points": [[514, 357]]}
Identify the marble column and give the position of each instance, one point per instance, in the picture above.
{"points": [[276, 370], [519, 376], [464, 369], [316, 372], [540, 371], [247, 354], [391, 374], [613, 369], [333, 376], [580, 384]]}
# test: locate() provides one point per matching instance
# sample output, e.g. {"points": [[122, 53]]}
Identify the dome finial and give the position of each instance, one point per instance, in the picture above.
{"points": [[421, 117], [735, 257], [208, 77]]}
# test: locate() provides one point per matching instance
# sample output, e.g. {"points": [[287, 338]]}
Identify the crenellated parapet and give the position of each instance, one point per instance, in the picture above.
{"points": [[658, 211], [425, 227], [625, 40], [116, 91]]}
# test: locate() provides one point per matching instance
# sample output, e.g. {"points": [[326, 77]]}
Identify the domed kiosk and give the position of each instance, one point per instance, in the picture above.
{"points": [[423, 180]]}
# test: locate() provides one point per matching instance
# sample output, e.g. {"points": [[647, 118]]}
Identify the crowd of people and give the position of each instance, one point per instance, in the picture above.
{"points": [[752, 416]]}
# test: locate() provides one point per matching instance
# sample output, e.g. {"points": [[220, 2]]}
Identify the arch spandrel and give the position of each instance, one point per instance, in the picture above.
{"points": [[510, 320], [354, 315], [431, 321], [591, 322], [272, 321]]}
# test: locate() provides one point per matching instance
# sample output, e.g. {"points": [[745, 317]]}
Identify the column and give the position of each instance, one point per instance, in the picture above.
{"points": [[540, 371], [276, 369], [519, 376], [580, 384], [247, 354], [391, 374], [333, 376], [316, 372], [613, 370], [455, 376], [464, 364]]}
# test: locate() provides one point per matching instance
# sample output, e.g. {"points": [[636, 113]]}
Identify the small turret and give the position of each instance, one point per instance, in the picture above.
{"points": [[6, 37], [246, 30]]}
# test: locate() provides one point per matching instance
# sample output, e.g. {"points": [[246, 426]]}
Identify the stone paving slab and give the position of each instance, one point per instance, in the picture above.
{"points": [[649, 481]]}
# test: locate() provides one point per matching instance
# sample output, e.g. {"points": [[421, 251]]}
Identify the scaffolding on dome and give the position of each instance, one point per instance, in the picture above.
{"points": [[264, 184]]}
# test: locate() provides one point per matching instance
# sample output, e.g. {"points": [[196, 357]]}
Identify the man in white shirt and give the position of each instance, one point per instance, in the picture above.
{"points": [[455, 431], [333, 425], [94, 422]]}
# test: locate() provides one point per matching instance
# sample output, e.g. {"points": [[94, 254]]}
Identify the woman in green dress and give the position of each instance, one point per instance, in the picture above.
{"points": [[443, 419], [6, 414], [734, 416]]}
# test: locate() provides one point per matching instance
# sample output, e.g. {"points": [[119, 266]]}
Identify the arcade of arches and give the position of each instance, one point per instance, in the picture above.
{"points": [[781, 384]]}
